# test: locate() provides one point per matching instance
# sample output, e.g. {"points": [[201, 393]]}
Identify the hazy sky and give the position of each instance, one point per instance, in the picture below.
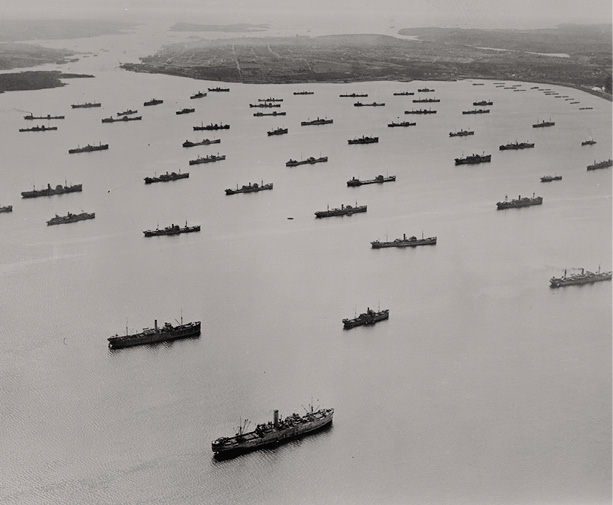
{"points": [[398, 13]]}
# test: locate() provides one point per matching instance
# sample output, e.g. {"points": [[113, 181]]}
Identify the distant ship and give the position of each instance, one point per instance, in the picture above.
{"points": [[379, 179], [461, 133], [153, 101], [203, 142], [128, 112], [48, 116], [600, 164], [155, 335], [173, 176], [363, 140], [519, 202], [274, 113], [70, 218], [589, 142], [207, 159], [549, 178], [173, 229], [249, 188], [394, 124], [354, 95], [425, 90], [585, 277], [404, 242], [264, 105], [543, 124], [373, 104], [86, 105], [6, 208], [272, 433], [212, 127], [404, 93], [474, 159], [304, 92], [367, 318], [278, 131], [41, 128], [185, 111], [476, 111], [49, 191], [122, 119], [344, 210], [420, 111], [270, 99], [426, 100], [516, 145], [218, 89], [200, 94], [88, 148], [585, 108], [308, 161], [317, 121], [483, 103]]}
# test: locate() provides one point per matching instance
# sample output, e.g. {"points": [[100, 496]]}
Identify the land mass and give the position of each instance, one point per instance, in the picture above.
{"points": [[430, 54], [31, 80], [238, 27]]}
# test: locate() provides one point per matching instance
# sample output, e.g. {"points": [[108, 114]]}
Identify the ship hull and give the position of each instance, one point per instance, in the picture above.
{"points": [[191, 330]]}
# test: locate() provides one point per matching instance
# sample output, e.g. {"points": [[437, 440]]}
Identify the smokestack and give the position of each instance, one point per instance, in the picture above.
{"points": [[276, 418], [156, 325]]}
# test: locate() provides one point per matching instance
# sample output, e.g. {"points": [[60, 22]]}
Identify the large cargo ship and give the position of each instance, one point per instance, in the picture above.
{"points": [[249, 188], [200, 94], [543, 124], [6, 208], [277, 131], [474, 159], [273, 113], [48, 116], [600, 164], [271, 99], [86, 105], [373, 104], [394, 124], [70, 218], [207, 159], [185, 110], [549, 178], [519, 202], [304, 92], [156, 334], [426, 100], [404, 93], [589, 142], [344, 210], [128, 112], [367, 318], [88, 148], [317, 121], [420, 111], [121, 119], [264, 105], [461, 133], [173, 229], [363, 140], [173, 176], [585, 277], [203, 142], [354, 95], [476, 111], [353, 182], [309, 161], [483, 103], [404, 242], [272, 433], [212, 127], [41, 128], [516, 145], [153, 101], [218, 89], [49, 191]]}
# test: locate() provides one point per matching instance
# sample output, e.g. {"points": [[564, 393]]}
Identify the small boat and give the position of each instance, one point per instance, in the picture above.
{"points": [[304, 92], [420, 111], [476, 111], [404, 242], [404, 93], [395, 124], [354, 95]]}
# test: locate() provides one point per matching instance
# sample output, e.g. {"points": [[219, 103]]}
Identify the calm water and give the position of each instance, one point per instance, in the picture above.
{"points": [[484, 387]]}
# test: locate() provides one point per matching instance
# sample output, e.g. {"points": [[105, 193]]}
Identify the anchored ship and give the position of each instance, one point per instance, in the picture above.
{"points": [[474, 159], [353, 182], [48, 116], [585, 277], [394, 124], [519, 202], [212, 127], [6, 208], [122, 119], [373, 104], [461, 133], [366, 318], [185, 111], [483, 103], [404, 93], [86, 105], [426, 100], [543, 124], [128, 112], [589, 142], [277, 131], [516, 145], [207, 159], [49, 191], [153, 101], [549, 178], [173, 176], [249, 188], [203, 142], [70, 218], [308, 161], [88, 148], [317, 121], [156, 334], [354, 95], [270, 99], [218, 89], [344, 210], [364, 140], [173, 229], [200, 94], [425, 90], [420, 111], [272, 433], [476, 111], [304, 92], [600, 164], [404, 242], [264, 105], [41, 128], [274, 113]]}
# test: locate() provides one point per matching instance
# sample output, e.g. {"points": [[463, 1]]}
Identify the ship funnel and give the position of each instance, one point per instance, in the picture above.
{"points": [[155, 325], [276, 417]]}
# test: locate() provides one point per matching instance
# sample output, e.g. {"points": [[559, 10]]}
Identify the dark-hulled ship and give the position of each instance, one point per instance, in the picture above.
{"points": [[367, 318], [49, 191], [173, 229], [48, 117], [212, 126], [273, 113], [41, 128], [519, 202], [395, 124], [317, 121], [153, 101], [426, 90], [461, 133], [156, 334], [203, 142], [122, 119], [404, 242], [207, 159], [354, 95], [88, 148], [476, 111], [372, 104], [483, 103], [200, 94], [309, 161], [167, 177], [420, 111], [218, 89], [600, 164], [6, 208], [585, 277], [249, 188], [404, 93], [344, 210], [265, 105], [549, 178], [128, 112], [543, 124], [185, 110], [304, 92], [70, 218], [277, 131], [353, 182], [516, 145], [363, 140], [474, 159], [589, 142], [426, 100], [86, 105], [272, 433]]}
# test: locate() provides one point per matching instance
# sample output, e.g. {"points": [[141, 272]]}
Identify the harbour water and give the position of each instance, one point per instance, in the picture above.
{"points": [[485, 386]]}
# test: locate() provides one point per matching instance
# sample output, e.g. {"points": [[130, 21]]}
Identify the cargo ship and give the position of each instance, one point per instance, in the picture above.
{"points": [[153, 101], [309, 161], [48, 117], [218, 89], [461, 133], [156, 334], [249, 188], [203, 142], [426, 90], [317, 121], [264, 105], [86, 105], [354, 95], [270, 99], [600, 164], [70, 218], [207, 159], [6, 208], [420, 111], [122, 119], [304, 92], [476, 111], [363, 140], [404, 242], [404, 93], [278, 131], [367, 318], [353, 182], [172, 176], [589, 142], [185, 110], [395, 124], [49, 191], [173, 229], [426, 100], [41, 128], [272, 433], [373, 104], [88, 148], [585, 277], [200, 94], [344, 210], [519, 202], [549, 178], [474, 159], [516, 145], [212, 126], [274, 113], [483, 103], [128, 112], [543, 124]]}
